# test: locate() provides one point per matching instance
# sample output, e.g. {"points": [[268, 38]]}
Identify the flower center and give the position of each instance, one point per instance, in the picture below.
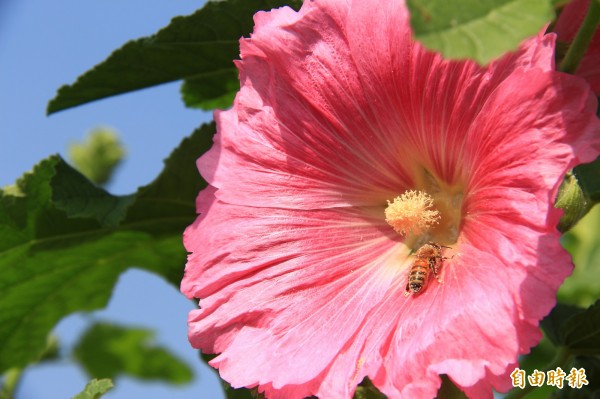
{"points": [[412, 213], [430, 212]]}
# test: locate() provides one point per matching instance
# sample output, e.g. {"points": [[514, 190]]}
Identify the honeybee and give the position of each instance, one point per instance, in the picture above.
{"points": [[428, 259]]}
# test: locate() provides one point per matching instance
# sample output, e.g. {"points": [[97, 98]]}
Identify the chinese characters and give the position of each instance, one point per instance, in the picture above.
{"points": [[557, 377]]}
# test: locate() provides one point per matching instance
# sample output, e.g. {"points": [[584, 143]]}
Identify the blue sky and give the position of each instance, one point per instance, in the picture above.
{"points": [[44, 44]]}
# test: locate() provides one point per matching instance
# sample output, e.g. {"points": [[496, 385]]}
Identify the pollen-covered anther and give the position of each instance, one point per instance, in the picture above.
{"points": [[411, 213]]}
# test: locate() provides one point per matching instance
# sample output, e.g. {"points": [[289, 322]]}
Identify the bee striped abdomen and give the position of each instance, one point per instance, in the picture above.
{"points": [[418, 275], [428, 259]]}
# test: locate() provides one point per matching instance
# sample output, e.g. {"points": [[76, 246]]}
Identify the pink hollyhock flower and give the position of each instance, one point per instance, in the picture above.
{"points": [[349, 146], [566, 28]]}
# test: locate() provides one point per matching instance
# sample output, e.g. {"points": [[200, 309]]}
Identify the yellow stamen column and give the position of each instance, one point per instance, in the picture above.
{"points": [[412, 213]]}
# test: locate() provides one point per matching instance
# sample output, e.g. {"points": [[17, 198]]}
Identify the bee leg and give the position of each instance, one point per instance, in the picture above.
{"points": [[436, 273], [407, 292]]}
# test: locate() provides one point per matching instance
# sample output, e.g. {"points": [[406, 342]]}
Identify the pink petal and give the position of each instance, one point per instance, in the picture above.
{"points": [[301, 281], [266, 288]]}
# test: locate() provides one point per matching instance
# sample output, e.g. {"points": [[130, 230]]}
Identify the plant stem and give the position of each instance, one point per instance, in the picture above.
{"points": [[582, 39], [11, 381], [563, 355]]}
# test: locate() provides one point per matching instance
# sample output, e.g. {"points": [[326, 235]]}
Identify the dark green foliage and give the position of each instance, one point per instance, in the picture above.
{"points": [[591, 365], [108, 351], [575, 328], [581, 332], [588, 176], [366, 390], [212, 91], [553, 323], [576, 331], [199, 48], [64, 242]]}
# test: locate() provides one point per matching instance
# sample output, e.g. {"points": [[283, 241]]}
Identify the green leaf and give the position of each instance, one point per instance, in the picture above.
{"points": [[575, 328], [366, 390], [587, 175], [199, 48], [581, 332], [591, 366], [58, 256], [98, 156], [478, 29], [95, 389], [210, 92], [73, 194], [107, 350], [241, 393], [553, 323], [449, 391]]}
